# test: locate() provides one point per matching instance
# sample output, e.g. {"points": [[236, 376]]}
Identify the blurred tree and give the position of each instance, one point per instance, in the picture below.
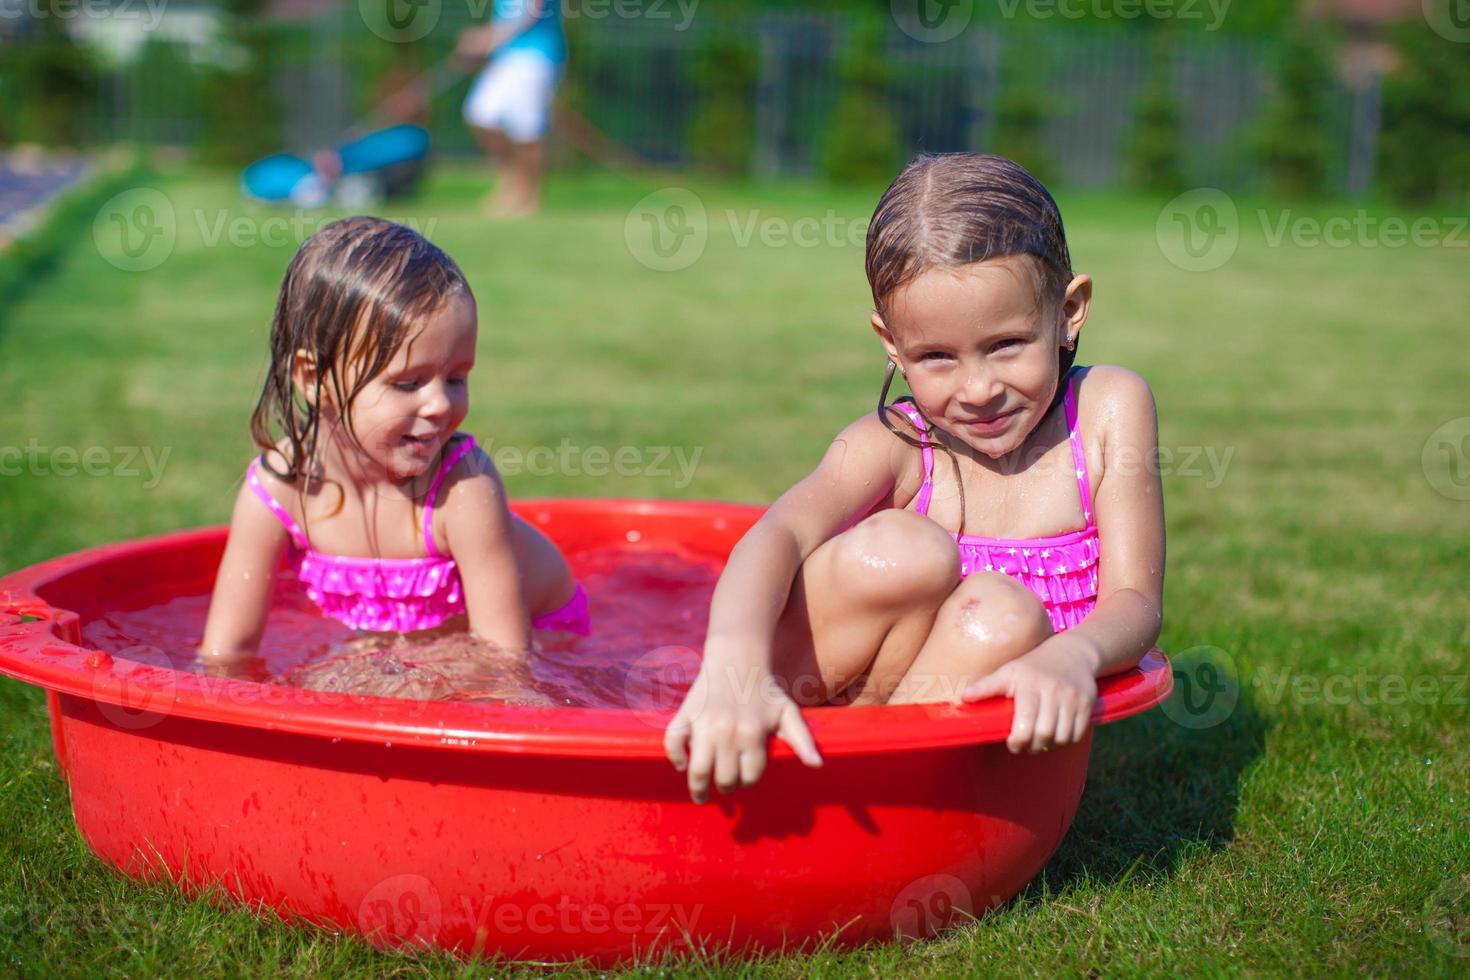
{"points": [[1156, 147], [1260, 18], [55, 81], [722, 132], [1021, 111], [864, 144], [242, 119], [1291, 141], [167, 98], [1425, 141]]}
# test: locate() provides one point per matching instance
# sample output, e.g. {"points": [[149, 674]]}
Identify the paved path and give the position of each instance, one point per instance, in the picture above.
{"points": [[27, 183]]}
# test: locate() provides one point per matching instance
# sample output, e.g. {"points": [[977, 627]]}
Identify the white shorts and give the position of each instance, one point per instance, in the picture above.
{"points": [[513, 94]]}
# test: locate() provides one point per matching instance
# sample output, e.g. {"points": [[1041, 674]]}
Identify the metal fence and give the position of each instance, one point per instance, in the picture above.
{"points": [[638, 81]]}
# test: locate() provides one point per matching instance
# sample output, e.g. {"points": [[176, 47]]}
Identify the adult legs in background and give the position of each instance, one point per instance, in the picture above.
{"points": [[509, 111]]}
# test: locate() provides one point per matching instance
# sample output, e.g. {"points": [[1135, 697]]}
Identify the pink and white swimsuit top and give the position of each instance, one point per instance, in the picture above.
{"points": [[382, 594], [1061, 569]]}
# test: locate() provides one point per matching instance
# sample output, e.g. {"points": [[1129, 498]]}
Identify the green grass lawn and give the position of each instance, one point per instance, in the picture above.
{"points": [[1317, 540]]}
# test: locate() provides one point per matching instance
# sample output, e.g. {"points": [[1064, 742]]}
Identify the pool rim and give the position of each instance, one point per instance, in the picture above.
{"points": [[47, 652]]}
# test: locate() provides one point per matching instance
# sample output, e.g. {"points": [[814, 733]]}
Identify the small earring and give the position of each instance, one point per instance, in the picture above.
{"points": [[1071, 343]]}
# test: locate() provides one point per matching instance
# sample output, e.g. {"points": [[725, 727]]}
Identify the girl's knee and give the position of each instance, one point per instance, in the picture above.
{"points": [[896, 557], [993, 612]]}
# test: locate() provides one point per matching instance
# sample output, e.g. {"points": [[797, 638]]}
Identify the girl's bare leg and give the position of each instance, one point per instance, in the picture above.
{"points": [[861, 607], [499, 151], [989, 620], [523, 179]]}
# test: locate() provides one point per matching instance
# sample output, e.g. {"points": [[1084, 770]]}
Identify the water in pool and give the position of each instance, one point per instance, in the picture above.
{"points": [[649, 612]]}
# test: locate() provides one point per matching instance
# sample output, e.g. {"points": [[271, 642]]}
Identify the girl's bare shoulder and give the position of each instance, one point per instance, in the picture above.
{"points": [[870, 450], [299, 494], [1114, 406]]}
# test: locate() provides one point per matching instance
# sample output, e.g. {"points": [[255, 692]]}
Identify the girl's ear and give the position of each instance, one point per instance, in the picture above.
{"points": [[303, 375], [881, 329], [1076, 302]]}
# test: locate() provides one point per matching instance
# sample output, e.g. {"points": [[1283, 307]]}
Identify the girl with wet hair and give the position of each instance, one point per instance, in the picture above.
{"points": [[993, 534]]}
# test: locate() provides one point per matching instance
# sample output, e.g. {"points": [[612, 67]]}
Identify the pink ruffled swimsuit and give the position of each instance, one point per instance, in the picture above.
{"points": [[1061, 570], [398, 595]]}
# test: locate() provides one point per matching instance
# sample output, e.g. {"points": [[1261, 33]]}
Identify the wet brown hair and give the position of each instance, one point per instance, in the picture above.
{"points": [[351, 296], [948, 211]]}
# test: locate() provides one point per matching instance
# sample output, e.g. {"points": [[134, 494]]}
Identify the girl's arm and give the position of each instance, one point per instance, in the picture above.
{"points": [[479, 529], [242, 586], [722, 725], [1055, 685], [856, 473], [481, 42]]}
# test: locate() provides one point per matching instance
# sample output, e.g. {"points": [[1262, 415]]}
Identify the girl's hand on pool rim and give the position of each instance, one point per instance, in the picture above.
{"points": [[721, 729], [1054, 692]]}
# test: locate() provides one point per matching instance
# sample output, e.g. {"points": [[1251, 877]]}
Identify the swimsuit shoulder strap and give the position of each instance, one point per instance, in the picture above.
{"points": [[1079, 456], [252, 478], [926, 490], [452, 455]]}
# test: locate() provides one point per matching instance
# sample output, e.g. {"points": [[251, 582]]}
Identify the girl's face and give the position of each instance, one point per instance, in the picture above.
{"points": [[979, 354], [406, 414]]}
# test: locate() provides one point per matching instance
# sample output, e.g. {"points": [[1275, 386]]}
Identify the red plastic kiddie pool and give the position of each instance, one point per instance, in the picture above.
{"points": [[540, 833]]}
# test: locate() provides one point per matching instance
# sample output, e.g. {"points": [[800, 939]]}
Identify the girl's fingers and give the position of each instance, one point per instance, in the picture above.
{"points": [[989, 686], [752, 765], [1080, 723], [676, 742], [727, 768], [701, 765], [1046, 723], [1066, 720], [793, 731], [1024, 720]]}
